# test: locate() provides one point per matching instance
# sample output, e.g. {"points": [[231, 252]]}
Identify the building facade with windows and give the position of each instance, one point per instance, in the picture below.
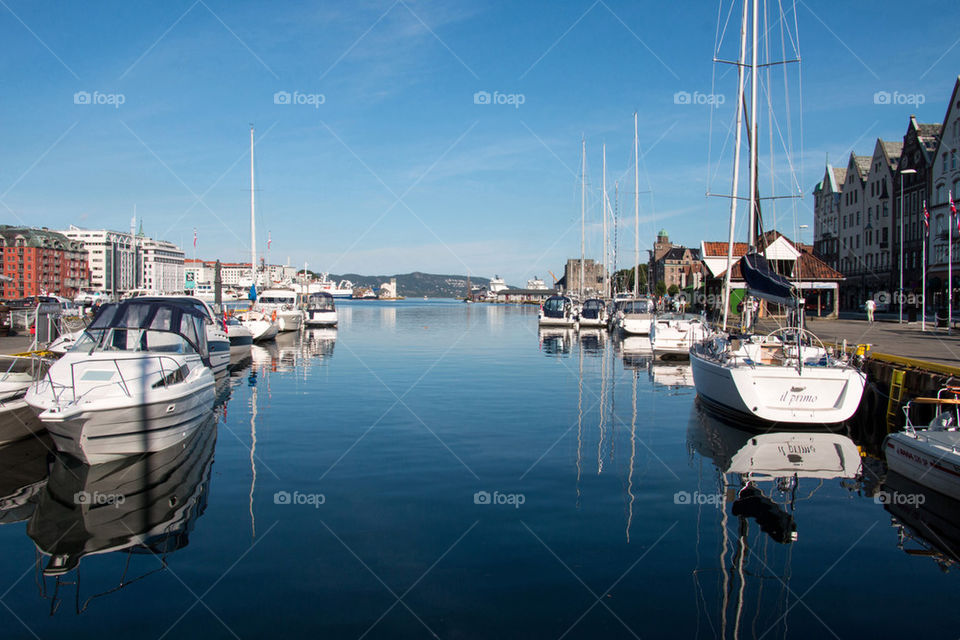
{"points": [[919, 146], [852, 221], [40, 262], [944, 183], [875, 275], [826, 214], [163, 265]]}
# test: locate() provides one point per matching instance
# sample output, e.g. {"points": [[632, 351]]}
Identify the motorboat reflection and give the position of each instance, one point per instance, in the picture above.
{"points": [[319, 342], [592, 341], [556, 341], [672, 376], [927, 522], [23, 474], [144, 505], [636, 351]]}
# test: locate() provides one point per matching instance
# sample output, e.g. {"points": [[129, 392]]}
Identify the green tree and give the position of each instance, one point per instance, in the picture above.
{"points": [[673, 290], [660, 288], [623, 279]]}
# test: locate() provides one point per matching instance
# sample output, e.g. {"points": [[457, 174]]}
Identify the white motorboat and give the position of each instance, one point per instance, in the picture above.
{"points": [[787, 377], [218, 338], [241, 337], [930, 455], [260, 325], [320, 310], [283, 307], [145, 504], [593, 313], [672, 334], [140, 380], [557, 311], [343, 289], [635, 316]]}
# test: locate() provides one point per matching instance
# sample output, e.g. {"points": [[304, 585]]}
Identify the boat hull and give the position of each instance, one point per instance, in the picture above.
{"points": [[289, 321], [774, 394], [320, 319], [636, 326], [927, 459]]}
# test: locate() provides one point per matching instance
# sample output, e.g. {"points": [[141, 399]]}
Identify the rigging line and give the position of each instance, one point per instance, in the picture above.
{"points": [[769, 94]]}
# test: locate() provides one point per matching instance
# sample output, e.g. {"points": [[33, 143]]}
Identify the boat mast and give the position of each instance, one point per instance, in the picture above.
{"points": [[604, 206], [636, 208], [736, 166], [752, 230], [253, 221], [583, 207]]}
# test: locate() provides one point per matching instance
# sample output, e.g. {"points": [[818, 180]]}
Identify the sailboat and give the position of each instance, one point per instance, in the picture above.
{"points": [[261, 324], [788, 376]]}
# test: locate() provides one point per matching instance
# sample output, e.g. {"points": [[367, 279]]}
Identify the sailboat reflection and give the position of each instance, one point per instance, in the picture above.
{"points": [[556, 342], [927, 521], [23, 474], [139, 505], [757, 480]]}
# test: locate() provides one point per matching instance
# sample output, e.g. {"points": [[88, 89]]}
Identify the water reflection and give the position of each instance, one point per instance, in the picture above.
{"points": [[927, 522], [138, 505], [636, 351], [23, 474], [556, 342], [674, 377], [593, 341], [319, 343]]}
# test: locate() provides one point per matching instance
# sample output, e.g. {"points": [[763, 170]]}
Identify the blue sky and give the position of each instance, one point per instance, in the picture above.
{"points": [[398, 169]]}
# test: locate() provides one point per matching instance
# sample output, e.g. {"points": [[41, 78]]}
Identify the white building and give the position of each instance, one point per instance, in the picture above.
{"points": [[162, 266]]}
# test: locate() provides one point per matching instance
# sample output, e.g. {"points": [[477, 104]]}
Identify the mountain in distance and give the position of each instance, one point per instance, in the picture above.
{"points": [[417, 284]]}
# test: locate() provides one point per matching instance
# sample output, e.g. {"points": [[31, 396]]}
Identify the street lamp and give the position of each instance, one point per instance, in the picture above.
{"points": [[902, 226]]}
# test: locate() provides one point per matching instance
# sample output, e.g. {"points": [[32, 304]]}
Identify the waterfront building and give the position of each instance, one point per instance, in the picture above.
{"points": [[592, 276], [826, 215], [163, 266], [944, 181], [852, 216], [674, 264], [40, 262], [877, 261]]}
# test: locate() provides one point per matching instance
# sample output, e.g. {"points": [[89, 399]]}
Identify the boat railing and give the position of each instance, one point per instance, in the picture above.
{"points": [[167, 376]]}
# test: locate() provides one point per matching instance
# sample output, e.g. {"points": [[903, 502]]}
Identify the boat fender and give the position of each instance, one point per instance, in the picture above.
{"points": [[273, 316]]}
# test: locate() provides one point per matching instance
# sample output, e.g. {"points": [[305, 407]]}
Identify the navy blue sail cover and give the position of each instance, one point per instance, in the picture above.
{"points": [[763, 281]]}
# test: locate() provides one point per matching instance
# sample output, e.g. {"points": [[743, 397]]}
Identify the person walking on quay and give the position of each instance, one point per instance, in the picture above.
{"points": [[870, 306]]}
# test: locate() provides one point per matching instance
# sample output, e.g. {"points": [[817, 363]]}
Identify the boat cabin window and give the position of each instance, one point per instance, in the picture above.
{"points": [[554, 305], [636, 306]]}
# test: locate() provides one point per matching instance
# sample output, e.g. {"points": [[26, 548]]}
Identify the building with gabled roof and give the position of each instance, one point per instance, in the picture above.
{"points": [[40, 262], [944, 182], [674, 265], [826, 214]]}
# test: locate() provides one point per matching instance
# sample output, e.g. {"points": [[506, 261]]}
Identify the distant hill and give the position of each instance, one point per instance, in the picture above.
{"points": [[417, 284]]}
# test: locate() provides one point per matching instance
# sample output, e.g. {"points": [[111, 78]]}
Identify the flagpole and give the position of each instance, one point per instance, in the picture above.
{"points": [[923, 269], [953, 210]]}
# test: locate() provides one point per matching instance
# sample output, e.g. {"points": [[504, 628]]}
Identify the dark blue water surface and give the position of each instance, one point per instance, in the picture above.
{"points": [[442, 469]]}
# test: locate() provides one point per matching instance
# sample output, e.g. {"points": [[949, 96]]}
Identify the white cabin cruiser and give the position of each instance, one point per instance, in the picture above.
{"points": [[260, 325], [635, 316], [930, 455], [283, 307], [218, 337], [593, 313], [241, 337], [320, 310], [140, 380], [557, 311], [672, 334]]}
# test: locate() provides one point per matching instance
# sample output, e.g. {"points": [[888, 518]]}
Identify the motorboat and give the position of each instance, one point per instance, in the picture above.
{"points": [[672, 334], [557, 311], [215, 325], [635, 316], [593, 313], [282, 306], [143, 504], [320, 310], [261, 327], [929, 454], [241, 336], [140, 380], [18, 373]]}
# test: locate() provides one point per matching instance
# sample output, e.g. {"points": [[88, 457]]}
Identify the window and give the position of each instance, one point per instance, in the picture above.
{"points": [[953, 159], [944, 157], [858, 218]]}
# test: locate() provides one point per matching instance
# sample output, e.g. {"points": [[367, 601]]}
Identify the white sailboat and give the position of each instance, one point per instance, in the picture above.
{"points": [[788, 376], [635, 315]]}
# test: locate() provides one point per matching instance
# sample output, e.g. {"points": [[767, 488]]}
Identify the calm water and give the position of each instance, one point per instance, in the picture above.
{"points": [[435, 468]]}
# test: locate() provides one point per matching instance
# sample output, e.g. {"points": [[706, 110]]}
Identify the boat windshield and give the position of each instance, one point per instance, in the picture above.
{"points": [[277, 298], [554, 306], [593, 305], [637, 306], [321, 302], [138, 325]]}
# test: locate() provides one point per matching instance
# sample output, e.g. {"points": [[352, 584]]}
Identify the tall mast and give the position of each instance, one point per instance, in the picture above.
{"points": [[604, 206], [253, 221], [752, 240], [636, 207], [583, 207], [736, 166]]}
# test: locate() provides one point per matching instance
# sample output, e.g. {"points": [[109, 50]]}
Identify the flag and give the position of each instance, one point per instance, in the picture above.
{"points": [[269, 240], [926, 217], [194, 238], [953, 208]]}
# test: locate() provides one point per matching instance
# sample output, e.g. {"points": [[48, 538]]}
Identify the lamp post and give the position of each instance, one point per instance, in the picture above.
{"points": [[902, 226]]}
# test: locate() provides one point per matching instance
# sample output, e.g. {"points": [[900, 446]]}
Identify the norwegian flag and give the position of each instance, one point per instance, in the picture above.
{"points": [[269, 240], [926, 217], [953, 208], [194, 238]]}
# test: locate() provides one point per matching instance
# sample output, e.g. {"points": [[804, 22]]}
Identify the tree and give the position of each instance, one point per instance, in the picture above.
{"points": [[660, 288], [623, 279], [673, 290]]}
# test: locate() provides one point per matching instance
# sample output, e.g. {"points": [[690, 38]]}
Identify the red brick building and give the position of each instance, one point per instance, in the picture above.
{"points": [[40, 262]]}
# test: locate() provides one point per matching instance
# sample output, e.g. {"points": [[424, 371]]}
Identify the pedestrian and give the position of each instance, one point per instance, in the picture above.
{"points": [[870, 306]]}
